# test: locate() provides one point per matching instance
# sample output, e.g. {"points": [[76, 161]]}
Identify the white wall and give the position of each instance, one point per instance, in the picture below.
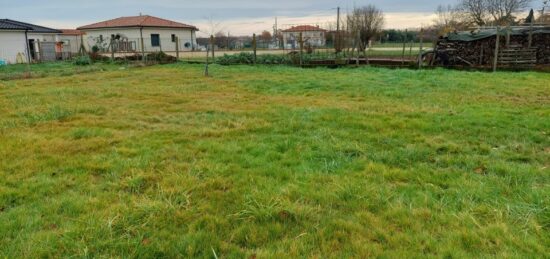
{"points": [[49, 37], [72, 43], [12, 43], [133, 35], [315, 38]]}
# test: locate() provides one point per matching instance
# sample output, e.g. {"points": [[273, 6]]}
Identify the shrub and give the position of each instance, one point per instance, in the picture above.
{"points": [[161, 57], [246, 58], [82, 61]]}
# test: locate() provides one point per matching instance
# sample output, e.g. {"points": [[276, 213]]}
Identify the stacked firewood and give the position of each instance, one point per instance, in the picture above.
{"points": [[482, 52]]}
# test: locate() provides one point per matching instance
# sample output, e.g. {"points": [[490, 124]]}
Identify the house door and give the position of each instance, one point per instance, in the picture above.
{"points": [[32, 50]]}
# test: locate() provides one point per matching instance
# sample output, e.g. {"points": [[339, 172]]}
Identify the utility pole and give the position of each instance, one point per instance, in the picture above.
{"points": [[336, 37], [338, 19], [275, 29]]}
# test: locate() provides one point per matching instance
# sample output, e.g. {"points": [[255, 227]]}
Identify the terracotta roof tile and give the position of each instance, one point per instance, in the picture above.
{"points": [[137, 21], [71, 32], [302, 28]]}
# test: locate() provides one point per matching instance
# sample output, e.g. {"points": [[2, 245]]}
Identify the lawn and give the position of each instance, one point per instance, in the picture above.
{"points": [[22, 71], [274, 161]]}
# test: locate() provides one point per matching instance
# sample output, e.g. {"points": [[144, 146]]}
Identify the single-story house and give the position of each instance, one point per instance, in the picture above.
{"points": [[21, 42], [143, 33], [72, 40], [311, 35]]}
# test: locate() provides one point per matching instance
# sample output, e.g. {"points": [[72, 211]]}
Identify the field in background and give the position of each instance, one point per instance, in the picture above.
{"points": [[379, 52], [275, 161]]}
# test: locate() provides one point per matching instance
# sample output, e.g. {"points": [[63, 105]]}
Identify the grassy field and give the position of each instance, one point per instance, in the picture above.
{"points": [[22, 71], [274, 161]]}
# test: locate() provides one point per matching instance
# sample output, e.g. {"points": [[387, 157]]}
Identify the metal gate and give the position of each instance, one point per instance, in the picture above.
{"points": [[47, 51]]}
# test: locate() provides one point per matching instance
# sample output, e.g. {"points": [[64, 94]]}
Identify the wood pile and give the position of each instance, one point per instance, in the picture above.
{"points": [[512, 51]]}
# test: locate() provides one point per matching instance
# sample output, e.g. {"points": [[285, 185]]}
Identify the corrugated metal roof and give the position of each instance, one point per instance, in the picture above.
{"points": [[137, 21], [4, 25], [7, 24], [491, 32]]}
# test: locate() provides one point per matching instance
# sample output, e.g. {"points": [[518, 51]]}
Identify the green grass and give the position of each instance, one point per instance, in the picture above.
{"points": [[400, 45], [275, 162], [22, 71]]}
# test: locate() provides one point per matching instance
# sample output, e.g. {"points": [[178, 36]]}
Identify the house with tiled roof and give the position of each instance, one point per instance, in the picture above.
{"points": [[20, 41], [72, 40], [311, 35], [143, 33]]}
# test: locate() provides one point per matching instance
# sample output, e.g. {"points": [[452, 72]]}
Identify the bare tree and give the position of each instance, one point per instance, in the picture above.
{"points": [[476, 10], [365, 23], [212, 29], [502, 11], [482, 12], [449, 18]]}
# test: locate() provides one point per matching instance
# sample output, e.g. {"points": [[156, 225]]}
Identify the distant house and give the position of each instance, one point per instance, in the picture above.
{"points": [[311, 35], [140, 33], [22, 42]]}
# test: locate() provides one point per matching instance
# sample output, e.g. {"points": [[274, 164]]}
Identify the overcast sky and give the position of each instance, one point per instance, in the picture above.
{"points": [[240, 17]]}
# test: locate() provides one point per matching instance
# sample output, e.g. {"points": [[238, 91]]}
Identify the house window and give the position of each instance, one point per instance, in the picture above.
{"points": [[173, 37], [155, 40]]}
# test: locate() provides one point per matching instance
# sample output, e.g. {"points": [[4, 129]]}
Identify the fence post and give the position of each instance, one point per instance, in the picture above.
{"points": [[212, 46], [421, 47], [531, 34], [411, 49], [254, 46], [143, 58], [207, 57], [508, 37], [177, 47], [357, 52], [39, 50], [82, 49], [301, 50], [497, 45], [404, 48], [112, 49]]}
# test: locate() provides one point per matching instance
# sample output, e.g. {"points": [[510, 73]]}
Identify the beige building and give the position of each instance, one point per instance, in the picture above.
{"points": [[311, 35], [140, 33]]}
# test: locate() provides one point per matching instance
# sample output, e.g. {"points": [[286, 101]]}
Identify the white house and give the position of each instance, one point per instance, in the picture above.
{"points": [[22, 42], [137, 34], [72, 40], [311, 35]]}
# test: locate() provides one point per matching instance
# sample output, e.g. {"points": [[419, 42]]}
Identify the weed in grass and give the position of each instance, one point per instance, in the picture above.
{"points": [[53, 113]]}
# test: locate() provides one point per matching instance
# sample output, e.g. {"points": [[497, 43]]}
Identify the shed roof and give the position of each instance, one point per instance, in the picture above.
{"points": [[7, 24], [491, 32], [137, 21]]}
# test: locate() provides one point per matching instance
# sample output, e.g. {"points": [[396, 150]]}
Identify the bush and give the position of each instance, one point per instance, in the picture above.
{"points": [[246, 58], [83, 61], [161, 57]]}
